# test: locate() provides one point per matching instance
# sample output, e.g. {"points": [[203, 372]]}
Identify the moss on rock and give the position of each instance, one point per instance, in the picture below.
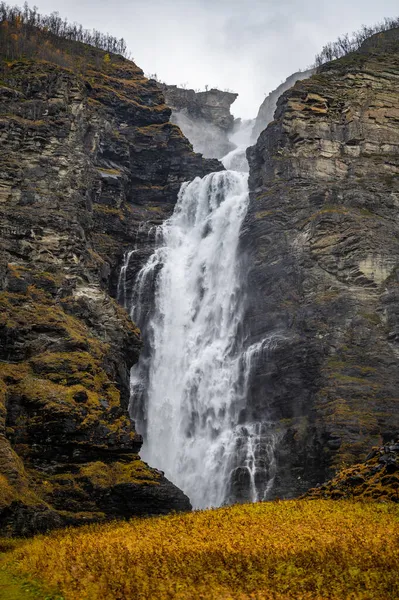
{"points": [[377, 478]]}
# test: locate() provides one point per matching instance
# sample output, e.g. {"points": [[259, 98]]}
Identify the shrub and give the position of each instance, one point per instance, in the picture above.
{"points": [[20, 29], [346, 44]]}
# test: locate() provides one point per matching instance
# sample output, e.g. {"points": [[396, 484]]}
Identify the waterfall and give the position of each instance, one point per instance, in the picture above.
{"points": [[190, 386], [241, 136]]}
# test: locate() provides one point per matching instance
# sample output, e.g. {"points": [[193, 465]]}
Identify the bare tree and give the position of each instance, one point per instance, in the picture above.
{"points": [[19, 28], [346, 44]]}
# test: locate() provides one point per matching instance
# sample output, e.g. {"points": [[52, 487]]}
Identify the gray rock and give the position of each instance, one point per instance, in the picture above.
{"points": [[321, 242], [268, 107], [204, 118], [89, 164]]}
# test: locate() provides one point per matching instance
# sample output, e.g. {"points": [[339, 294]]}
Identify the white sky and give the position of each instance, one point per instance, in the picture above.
{"points": [[247, 46]]}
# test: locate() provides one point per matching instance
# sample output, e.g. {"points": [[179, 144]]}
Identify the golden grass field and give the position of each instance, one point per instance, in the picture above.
{"points": [[297, 549]]}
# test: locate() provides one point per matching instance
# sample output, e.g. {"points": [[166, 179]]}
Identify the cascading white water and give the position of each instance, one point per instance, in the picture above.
{"points": [[237, 159], [190, 386], [193, 379]]}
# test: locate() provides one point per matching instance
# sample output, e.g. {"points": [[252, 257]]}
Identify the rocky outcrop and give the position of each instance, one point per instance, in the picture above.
{"points": [[377, 478], [322, 244], [267, 108], [89, 164], [204, 117]]}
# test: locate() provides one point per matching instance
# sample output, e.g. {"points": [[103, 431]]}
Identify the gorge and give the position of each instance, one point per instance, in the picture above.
{"points": [[297, 385], [266, 292]]}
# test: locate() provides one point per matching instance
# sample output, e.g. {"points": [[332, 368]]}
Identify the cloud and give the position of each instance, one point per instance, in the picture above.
{"points": [[248, 46]]}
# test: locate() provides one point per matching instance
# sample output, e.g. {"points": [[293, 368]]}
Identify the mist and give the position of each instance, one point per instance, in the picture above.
{"points": [[249, 47]]}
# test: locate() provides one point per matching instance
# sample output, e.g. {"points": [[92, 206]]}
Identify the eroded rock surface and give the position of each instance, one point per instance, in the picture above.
{"points": [[204, 117], [322, 241], [89, 164], [267, 108]]}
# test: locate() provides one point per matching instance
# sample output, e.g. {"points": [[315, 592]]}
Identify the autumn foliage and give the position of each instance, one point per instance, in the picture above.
{"points": [[346, 44], [283, 550], [25, 33]]}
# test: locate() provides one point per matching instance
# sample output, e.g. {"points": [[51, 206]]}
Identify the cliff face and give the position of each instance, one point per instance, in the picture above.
{"points": [[89, 163], [322, 237], [269, 105], [204, 117]]}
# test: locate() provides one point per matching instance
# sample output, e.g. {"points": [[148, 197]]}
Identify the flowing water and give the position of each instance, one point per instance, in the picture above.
{"points": [[189, 389], [237, 159]]}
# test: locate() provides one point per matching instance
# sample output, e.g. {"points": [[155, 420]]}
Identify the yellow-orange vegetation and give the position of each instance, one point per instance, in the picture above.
{"points": [[284, 550]]}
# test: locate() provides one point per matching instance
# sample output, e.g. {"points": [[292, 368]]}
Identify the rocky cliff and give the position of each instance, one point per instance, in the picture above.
{"points": [[322, 243], [267, 108], [204, 117], [376, 478], [89, 164]]}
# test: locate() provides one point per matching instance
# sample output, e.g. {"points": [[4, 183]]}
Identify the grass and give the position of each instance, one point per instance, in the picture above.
{"points": [[297, 549], [13, 587]]}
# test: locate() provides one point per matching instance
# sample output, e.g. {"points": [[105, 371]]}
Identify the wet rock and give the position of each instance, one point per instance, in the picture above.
{"points": [[127, 500], [23, 521], [356, 480], [392, 466], [371, 455], [321, 248]]}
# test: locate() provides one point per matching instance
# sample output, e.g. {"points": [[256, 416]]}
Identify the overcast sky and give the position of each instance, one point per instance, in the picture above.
{"points": [[248, 46]]}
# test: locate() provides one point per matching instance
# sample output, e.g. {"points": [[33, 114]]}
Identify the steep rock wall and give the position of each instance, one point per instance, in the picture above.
{"points": [[89, 164], [322, 244]]}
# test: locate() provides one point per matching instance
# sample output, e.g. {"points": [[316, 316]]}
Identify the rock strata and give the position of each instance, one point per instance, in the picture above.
{"points": [[89, 165], [322, 243]]}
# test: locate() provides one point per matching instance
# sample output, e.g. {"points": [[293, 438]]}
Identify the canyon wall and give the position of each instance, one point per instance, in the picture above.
{"points": [[89, 165], [322, 244]]}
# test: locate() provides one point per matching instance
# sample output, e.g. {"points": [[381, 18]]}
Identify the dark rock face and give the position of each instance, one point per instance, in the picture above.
{"points": [[89, 164], [322, 241], [204, 117]]}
